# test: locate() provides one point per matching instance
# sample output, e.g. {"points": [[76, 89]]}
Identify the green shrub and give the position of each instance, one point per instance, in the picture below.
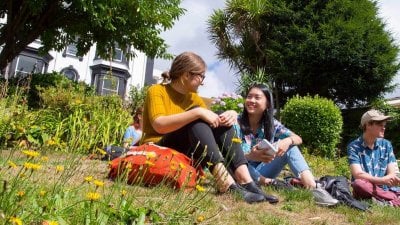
{"points": [[69, 118], [95, 123], [12, 105], [31, 85], [317, 120]]}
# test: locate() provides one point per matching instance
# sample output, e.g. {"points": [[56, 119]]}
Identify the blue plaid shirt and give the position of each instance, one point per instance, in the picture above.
{"points": [[373, 161], [249, 140]]}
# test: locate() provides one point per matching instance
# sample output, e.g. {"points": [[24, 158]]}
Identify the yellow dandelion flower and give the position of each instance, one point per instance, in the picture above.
{"points": [[200, 218], [59, 168], [20, 194], [15, 220], [236, 140], [151, 155], [42, 193], [123, 192], [31, 153], [174, 152], [93, 196], [101, 151], [200, 188], [149, 163], [98, 183], [32, 166], [173, 165], [182, 166], [11, 164], [51, 142], [49, 222], [44, 159], [88, 179]]}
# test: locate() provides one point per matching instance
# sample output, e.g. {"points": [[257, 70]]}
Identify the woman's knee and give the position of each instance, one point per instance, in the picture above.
{"points": [[199, 125], [294, 149]]}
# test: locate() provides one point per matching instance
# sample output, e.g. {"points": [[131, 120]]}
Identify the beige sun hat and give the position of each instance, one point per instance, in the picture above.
{"points": [[373, 115]]}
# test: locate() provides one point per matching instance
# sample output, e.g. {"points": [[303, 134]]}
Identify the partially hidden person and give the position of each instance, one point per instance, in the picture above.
{"points": [[133, 133], [373, 166], [175, 116], [256, 123]]}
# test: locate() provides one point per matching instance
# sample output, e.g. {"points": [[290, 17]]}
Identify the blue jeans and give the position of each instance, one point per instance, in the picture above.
{"points": [[292, 157]]}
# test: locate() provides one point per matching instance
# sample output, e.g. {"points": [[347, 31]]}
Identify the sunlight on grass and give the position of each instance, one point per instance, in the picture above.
{"points": [[69, 191]]}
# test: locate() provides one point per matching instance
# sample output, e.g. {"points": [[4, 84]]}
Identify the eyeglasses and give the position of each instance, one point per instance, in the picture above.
{"points": [[201, 75]]}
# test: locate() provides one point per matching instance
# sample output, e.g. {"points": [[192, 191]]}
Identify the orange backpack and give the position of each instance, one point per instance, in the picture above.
{"points": [[150, 164]]}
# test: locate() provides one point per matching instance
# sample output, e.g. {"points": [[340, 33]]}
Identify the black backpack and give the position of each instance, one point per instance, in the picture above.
{"points": [[113, 152], [339, 188]]}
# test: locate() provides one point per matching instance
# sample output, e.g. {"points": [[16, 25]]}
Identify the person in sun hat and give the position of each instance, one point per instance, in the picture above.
{"points": [[373, 166]]}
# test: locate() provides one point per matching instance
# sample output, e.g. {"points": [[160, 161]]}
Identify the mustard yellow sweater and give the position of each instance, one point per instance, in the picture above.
{"points": [[163, 100]]}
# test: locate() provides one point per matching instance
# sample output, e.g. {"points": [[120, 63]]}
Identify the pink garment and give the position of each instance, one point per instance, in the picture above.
{"points": [[364, 189]]}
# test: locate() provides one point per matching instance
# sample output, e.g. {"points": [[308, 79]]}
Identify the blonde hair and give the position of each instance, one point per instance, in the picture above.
{"points": [[184, 62]]}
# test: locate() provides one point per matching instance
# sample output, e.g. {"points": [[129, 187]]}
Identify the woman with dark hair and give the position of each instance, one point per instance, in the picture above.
{"points": [[257, 123], [175, 116]]}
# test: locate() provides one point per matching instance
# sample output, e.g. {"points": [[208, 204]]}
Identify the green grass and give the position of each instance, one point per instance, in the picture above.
{"points": [[65, 199]]}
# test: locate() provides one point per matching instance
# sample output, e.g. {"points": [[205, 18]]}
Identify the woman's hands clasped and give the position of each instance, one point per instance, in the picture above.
{"points": [[227, 118]]}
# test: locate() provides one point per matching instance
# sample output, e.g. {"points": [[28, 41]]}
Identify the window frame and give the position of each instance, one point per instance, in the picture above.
{"points": [[106, 90], [25, 72]]}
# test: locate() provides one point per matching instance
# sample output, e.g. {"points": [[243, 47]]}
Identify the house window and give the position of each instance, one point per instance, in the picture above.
{"points": [[70, 73], [71, 50], [109, 85], [118, 55], [26, 65]]}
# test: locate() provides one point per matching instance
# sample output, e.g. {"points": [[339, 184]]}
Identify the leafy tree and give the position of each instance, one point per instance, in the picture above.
{"points": [[58, 23], [337, 49]]}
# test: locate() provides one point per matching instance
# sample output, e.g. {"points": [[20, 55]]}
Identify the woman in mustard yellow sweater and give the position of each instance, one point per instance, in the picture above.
{"points": [[175, 116]]}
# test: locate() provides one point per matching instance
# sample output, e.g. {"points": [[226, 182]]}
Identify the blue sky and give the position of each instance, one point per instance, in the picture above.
{"points": [[190, 34]]}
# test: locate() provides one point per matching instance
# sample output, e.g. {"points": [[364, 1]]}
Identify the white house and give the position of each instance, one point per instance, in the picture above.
{"points": [[90, 68]]}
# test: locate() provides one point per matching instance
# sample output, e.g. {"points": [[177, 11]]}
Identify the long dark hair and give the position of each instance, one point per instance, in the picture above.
{"points": [[267, 119]]}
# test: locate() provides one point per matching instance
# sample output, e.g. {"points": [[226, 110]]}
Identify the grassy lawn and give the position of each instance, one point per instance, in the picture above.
{"points": [[58, 193]]}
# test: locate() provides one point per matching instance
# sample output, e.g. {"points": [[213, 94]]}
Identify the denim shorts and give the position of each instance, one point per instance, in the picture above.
{"points": [[292, 157]]}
